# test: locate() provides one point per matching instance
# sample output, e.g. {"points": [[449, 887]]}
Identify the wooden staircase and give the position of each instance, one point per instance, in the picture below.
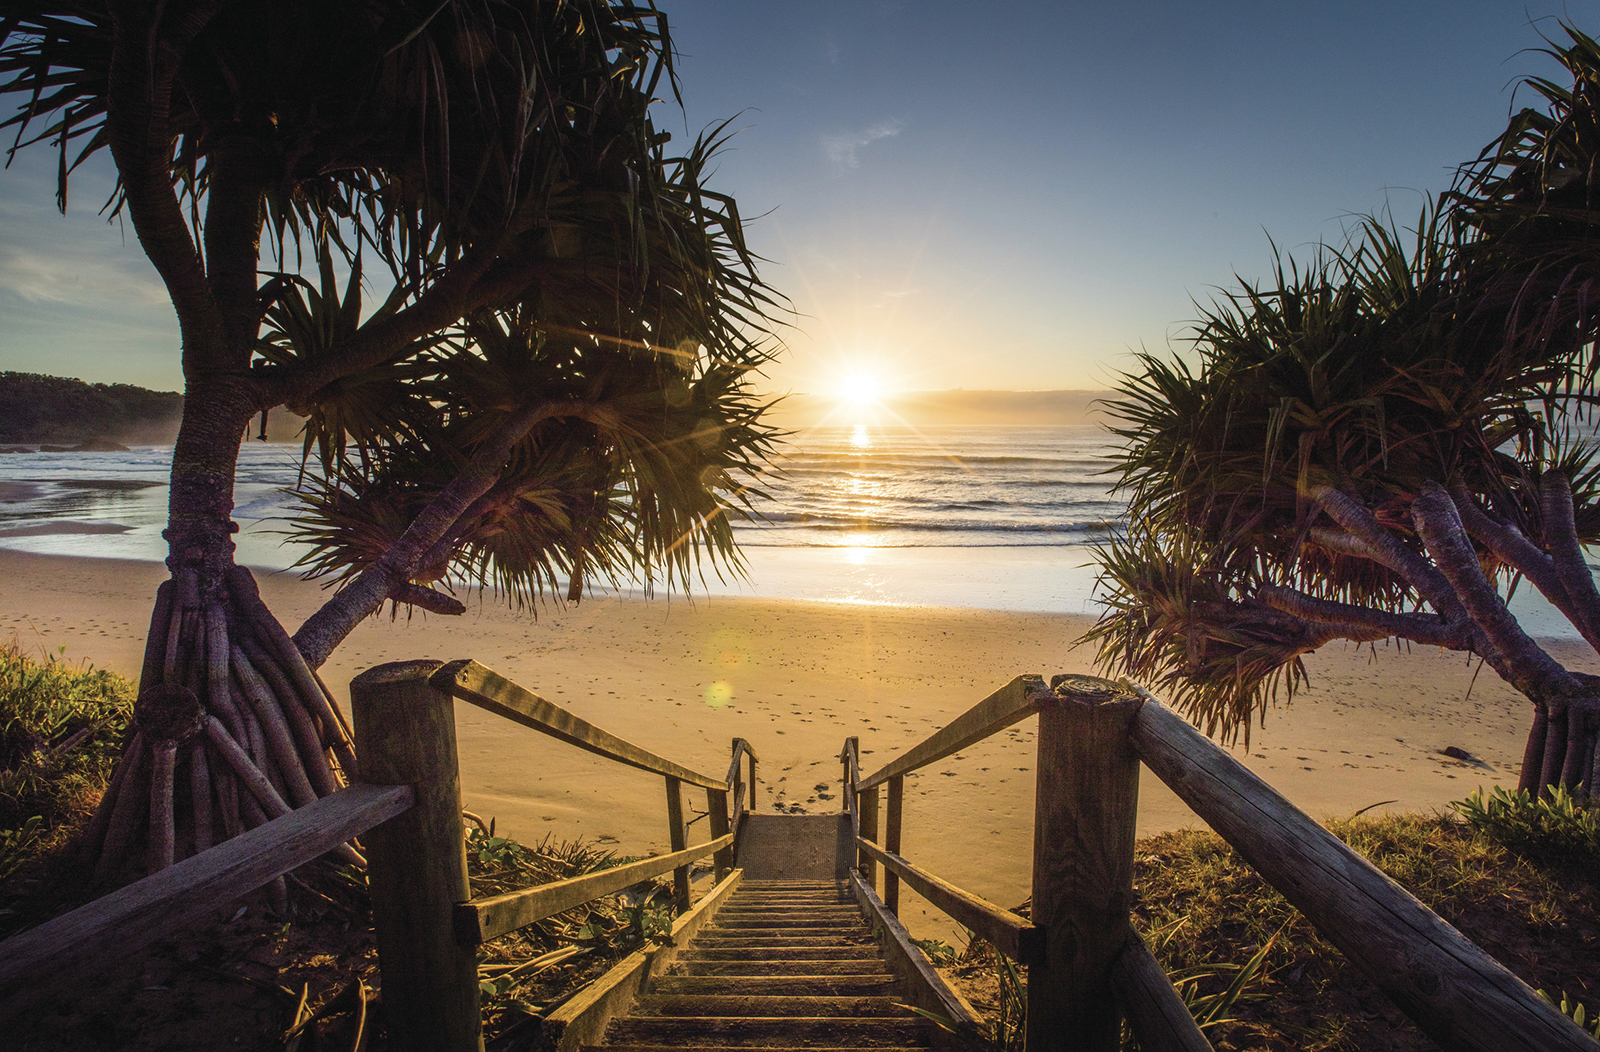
{"points": [[785, 964]]}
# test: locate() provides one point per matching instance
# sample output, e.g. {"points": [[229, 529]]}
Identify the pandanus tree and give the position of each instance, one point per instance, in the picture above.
{"points": [[554, 387], [1382, 445]]}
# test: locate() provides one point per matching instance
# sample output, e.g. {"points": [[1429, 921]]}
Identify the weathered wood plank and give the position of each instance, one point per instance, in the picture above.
{"points": [[678, 840], [417, 862], [128, 919], [480, 686], [891, 840], [1012, 703], [489, 918], [1457, 994], [582, 1020], [868, 805], [1158, 1016], [717, 809], [1086, 804], [1009, 933], [924, 987]]}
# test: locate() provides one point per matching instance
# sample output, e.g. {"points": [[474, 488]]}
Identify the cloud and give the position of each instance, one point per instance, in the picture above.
{"points": [[81, 279], [842, 150]]}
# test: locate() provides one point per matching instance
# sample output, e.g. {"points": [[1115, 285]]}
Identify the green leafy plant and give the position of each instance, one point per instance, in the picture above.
{"points": [[1574, 1011], [1552, 826], [15, 844], [61, 730]]}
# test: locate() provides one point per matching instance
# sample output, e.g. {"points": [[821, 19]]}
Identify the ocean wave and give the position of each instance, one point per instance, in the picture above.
{"points": [[799, 522]]}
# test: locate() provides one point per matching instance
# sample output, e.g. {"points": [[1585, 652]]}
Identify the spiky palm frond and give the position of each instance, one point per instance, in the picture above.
{"points": [[1373, 370]]}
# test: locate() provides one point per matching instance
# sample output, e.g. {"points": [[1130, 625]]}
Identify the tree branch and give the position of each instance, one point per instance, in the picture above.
{"points": [[338, 617], [1566, 553], [1389, 551], [1527, 667], [139, 99], [1514, 549], [427, 598], [465, 286], [1427, 629]]}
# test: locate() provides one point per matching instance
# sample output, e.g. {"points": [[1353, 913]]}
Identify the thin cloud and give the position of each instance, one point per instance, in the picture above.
{"points": [[82, 280], [844, 150]]}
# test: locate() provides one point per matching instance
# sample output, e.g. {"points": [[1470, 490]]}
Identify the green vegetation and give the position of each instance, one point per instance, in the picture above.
{"points": [[61, 730], [64, 411], [1535, 917], [558, 385], [1552, 827], [1379, 443], [1257, 976]]}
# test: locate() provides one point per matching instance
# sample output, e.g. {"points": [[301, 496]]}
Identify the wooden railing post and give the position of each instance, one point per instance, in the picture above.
{"points": [[891, 841], [679, 841], [868, 802], [416, 861], [1086, 804], [752, 779], [848, 753], [717, 808]]}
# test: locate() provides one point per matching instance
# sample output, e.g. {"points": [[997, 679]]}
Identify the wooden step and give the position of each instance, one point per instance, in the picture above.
{"points": [[756, 1006], [758, 937], [634, 1047], [767, 985], [789, 920], [789, 907], [858, 966], [792, 1032], [861, 951]]}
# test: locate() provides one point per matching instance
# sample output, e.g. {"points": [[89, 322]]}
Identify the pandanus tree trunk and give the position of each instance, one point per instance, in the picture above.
{"points": [[232, 727], [1563, 746]]}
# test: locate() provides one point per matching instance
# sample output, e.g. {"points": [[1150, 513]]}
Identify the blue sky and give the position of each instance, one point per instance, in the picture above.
{"points": [[961, 195]]}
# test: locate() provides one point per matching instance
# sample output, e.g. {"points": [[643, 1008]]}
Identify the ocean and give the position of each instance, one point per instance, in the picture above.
{"points": [[980, 516], [990, 517]]}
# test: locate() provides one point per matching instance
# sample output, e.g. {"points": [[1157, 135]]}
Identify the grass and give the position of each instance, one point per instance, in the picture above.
{"points": [[1535, 916], [61, 731], [1518, 878]]}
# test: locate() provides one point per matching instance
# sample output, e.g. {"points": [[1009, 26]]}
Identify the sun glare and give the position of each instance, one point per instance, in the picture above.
{"points": [[859, 390]]}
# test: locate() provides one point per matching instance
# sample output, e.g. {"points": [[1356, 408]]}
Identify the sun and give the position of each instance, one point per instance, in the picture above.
{"points": [[860, 389]]}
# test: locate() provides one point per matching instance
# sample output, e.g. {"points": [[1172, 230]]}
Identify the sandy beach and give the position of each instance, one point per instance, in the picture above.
{"points": [[796, 678]]}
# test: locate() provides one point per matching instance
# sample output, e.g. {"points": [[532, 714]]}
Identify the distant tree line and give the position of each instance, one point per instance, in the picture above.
{"points": [[58, 410]]}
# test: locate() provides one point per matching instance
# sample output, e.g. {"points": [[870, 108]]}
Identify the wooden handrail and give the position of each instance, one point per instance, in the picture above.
{"points": [[137, 915], [1012, 935], [1457, 994], [1158, 1016], [741, 748], [1012, 703], [487, 689], [489, 918]]}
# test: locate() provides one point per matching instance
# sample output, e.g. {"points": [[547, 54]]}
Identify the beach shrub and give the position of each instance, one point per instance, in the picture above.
{"points": [[1550, 827], [1575, 1011], [61, 731]]}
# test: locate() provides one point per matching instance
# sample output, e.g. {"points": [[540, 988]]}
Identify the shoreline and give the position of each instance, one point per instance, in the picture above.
{"points": [[796, 677]]}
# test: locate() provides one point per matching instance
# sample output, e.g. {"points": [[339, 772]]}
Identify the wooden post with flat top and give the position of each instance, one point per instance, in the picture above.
{"points": [[1084, 812], [678, 839], [416, 861]]}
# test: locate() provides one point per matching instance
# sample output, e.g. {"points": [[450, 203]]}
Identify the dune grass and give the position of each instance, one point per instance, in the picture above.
{"points": [[61, 730]]}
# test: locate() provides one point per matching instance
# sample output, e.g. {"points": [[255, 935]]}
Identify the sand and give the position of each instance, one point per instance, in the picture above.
{"points": [[796, 678]]}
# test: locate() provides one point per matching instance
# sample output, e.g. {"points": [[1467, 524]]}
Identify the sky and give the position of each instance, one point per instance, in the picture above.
{"points": [[1010, 197]]}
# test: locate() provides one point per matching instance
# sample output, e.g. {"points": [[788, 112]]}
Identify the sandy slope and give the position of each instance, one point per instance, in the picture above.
{"points": [[796, 678]]}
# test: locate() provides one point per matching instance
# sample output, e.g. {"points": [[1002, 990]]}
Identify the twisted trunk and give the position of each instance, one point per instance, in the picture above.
{"points": [[1563, 746]]}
